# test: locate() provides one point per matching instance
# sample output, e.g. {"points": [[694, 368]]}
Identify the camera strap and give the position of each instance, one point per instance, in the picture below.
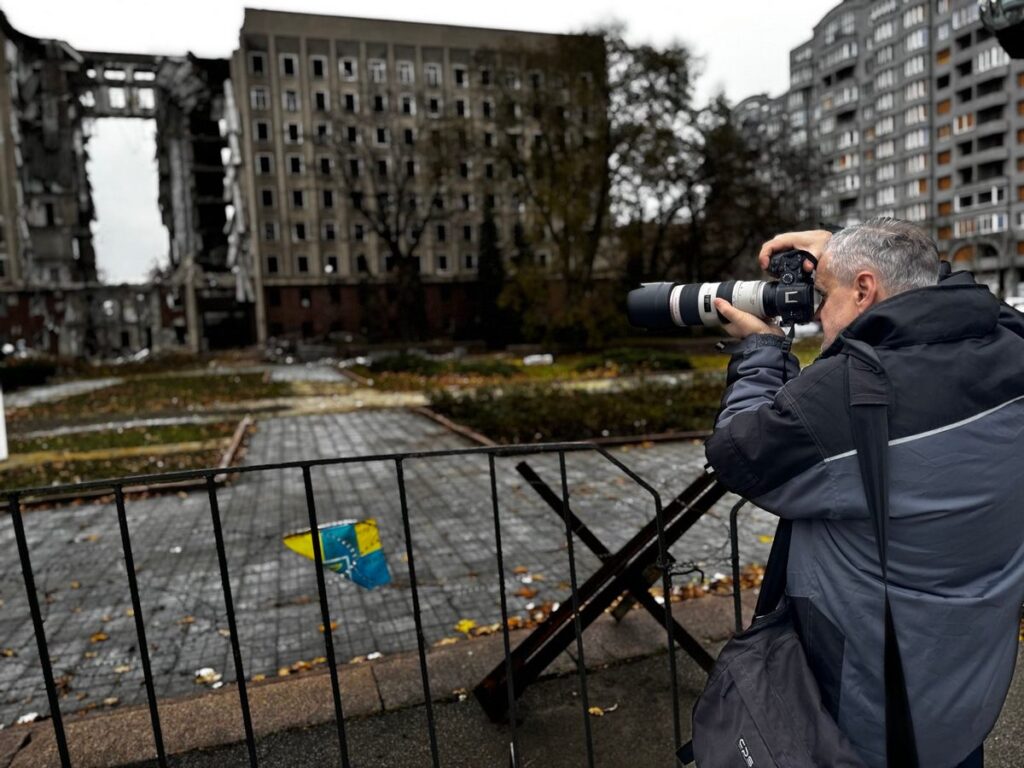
{"points": [[869, 416], [791, 335]]}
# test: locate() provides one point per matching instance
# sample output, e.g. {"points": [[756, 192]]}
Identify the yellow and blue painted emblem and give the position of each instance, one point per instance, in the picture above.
{"points": [[351, 548]]}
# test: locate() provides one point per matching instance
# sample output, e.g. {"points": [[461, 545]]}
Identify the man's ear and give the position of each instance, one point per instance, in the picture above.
{"points": [[866, 290]]}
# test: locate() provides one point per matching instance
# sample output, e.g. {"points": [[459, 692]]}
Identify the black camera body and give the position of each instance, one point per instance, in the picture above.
{"points": [[792, 297], [660, 306]]}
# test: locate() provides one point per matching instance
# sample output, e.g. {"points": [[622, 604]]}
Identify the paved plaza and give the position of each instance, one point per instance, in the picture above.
{"points": [[82, 585]]}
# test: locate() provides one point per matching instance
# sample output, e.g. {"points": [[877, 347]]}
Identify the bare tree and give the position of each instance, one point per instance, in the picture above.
{"points": [[396, 186]]}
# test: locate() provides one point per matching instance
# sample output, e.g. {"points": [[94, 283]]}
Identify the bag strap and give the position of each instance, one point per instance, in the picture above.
{"points": [[869, 416], [773, 583]]}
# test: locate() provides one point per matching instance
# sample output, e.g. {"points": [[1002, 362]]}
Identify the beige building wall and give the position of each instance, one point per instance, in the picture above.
{"points": [[286, 62]]}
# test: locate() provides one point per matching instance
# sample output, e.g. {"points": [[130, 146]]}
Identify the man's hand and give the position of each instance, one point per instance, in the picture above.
{"points": [[742, 324], [813, 241]]}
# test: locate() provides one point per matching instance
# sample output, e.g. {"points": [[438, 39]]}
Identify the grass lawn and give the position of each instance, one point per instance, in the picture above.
{"points": [[61, 472], [406, 371], [414, 372], [123, 438], [526, 414], [149, 396], [84, 456]]}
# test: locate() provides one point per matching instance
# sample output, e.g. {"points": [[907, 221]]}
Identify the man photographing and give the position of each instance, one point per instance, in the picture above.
{"points": [[954, 359]]}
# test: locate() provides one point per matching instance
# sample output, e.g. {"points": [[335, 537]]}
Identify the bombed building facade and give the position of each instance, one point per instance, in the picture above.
{"points": [[51, 296]]}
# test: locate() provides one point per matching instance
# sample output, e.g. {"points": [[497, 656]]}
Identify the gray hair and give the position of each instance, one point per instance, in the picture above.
{"points": [[899, 252]]}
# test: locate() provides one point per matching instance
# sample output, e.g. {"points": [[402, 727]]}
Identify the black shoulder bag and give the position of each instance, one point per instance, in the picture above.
{"points": [[761, 706]]}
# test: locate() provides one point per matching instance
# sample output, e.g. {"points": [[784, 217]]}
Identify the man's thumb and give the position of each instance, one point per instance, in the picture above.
{"points": [[727, 310]]}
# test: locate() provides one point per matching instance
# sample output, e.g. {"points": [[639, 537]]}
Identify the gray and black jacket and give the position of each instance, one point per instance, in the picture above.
{"points": [[954, 357]]}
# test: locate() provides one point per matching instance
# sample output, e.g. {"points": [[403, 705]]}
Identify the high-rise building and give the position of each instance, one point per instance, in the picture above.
{"points": [[919, 114]]}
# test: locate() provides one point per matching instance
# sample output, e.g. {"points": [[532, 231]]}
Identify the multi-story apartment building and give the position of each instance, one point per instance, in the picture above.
{"points": [[919, 114], [325, 100]]}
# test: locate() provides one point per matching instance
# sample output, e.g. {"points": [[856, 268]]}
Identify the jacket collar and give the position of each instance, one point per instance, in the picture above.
{"points": [[956, 308]]}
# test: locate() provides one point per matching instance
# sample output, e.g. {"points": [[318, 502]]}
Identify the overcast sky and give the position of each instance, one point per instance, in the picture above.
{"points": [[745, 45]]}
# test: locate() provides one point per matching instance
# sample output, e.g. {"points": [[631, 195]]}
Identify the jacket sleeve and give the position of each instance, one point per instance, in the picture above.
{"points": [[760, 365], [762, 447]]}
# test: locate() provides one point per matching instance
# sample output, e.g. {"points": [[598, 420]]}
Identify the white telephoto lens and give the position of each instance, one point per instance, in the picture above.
{"points": [[748, 296]]}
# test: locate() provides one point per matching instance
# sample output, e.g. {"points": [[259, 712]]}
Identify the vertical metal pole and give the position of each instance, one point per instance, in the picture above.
{"points": [[37, 625], [325, 615], [509, 676], [581, 664], [666, 583], [229, 604], [140, 626], [734, 540], [420, 643]]}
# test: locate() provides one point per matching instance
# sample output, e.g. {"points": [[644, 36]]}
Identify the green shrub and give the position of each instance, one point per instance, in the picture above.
{"points": [[534, 414], [406, 363], [419, 365], [631, 359], [486, 368], [15, 374]]}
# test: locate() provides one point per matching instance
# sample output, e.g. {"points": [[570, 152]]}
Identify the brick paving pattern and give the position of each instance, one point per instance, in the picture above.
{"points": [[82, 585]]}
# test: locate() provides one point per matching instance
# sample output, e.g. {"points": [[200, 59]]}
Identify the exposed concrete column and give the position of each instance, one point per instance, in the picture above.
{"points": [[191, 305]]}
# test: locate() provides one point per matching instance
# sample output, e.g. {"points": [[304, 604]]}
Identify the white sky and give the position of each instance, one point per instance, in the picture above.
{"points": [[745, 45]]}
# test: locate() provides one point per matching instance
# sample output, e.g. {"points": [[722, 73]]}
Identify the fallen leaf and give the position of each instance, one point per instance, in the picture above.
{"points": [[446, 641], [207, 675], [765, 539], [334, 626], [258, 678], [122, 668], [76, 584], [596, 711], [224, 632], [8, 653], [520, 569], [526, 592], [129, 612], [489, 629], [320, 660], [99, 637], [465, 625], [111, 701], [283, 672], [89, 654], [188, 620]]}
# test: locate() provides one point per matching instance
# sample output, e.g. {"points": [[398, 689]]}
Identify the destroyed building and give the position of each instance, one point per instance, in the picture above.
{"points": [[51, 297]]}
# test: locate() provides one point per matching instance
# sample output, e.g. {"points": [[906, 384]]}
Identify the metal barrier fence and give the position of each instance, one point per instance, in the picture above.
{"points": [[685, 508]]}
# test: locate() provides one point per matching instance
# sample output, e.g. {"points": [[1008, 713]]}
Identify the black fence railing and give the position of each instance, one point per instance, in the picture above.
{"points": [[629, 571]]}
